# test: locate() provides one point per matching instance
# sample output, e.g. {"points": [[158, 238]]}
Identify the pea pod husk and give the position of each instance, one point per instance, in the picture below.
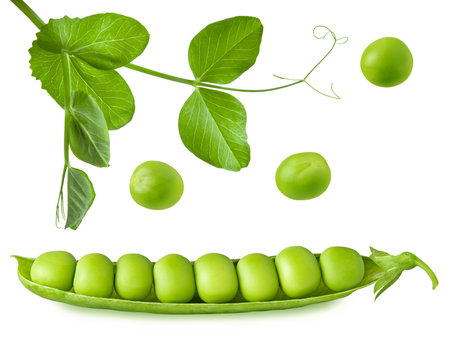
{"points": [[373, 272]]}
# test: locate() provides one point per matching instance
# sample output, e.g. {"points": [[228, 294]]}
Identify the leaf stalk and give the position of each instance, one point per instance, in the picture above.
{"points": [[67, 103], [31, 15], [67, 122], [196, 83]]}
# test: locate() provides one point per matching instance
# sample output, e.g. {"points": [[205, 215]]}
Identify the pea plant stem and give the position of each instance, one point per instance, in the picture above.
{"points": [[429, 271], [202, 84], [160, 75], [66, 61], [60, 204], [36, 20], [250, 90], [67, 103]]}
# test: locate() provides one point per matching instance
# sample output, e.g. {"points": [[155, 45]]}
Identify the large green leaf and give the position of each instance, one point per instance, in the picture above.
{"points": [[223, 50], [212, 126], [107, 87], [105, 41], [89, 136], [80, 196]]}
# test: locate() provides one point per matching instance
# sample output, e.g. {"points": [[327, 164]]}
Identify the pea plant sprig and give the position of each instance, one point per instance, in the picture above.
{"points": [[76, 59]]}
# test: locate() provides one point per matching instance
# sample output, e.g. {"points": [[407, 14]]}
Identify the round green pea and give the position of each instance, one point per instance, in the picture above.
{"points": [[174, 279], [156, 185], [342, 268], [133, 277], [303, 176], [54, 269], [387, 62], [298, 271], [94, 276], [258, 279], [216, 278]]}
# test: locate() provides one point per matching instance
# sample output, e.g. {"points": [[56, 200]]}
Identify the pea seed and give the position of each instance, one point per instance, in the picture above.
{"points": [[174, 279], [342, 268], [54, 269], [156, 185], [298, 270], [133, 277], [216, 278], [258, 279], [386, 62], [94, 276], [303, 176]]}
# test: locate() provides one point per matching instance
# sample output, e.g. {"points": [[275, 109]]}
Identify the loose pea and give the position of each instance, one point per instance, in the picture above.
{"points": [[174, 279], [156, 185], [342, 268], [303, 176], [133, 277], [216, 278], [258, 279], [298, 270], [387, 62], [94, 276], [54, 269]]}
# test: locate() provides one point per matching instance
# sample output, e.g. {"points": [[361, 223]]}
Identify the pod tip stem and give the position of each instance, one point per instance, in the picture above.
{"points": [[394, 265]]}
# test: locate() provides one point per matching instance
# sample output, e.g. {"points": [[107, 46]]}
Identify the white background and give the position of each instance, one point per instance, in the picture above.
{"points": [[395, 156]]}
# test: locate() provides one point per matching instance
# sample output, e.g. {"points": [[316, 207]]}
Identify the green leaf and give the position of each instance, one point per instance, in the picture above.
{"points": [[80, 196], [212, 127], [105, 41], [377, 253], [223, 50], [386, 281], [107, 87], [89, 136]]}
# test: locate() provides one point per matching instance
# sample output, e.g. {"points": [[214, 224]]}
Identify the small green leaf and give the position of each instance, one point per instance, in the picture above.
{"points": [[212, 126], [223, 50], [80, 196], [89, 136], [107, 87], [106, 41], [377, 253], [386, 282]]}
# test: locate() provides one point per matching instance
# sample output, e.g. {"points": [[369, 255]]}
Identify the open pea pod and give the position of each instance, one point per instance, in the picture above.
{"points": [[384, 275]]}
